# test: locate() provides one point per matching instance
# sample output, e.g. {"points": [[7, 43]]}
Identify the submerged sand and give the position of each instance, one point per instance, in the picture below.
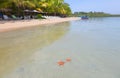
{"points": [[11, 25]]}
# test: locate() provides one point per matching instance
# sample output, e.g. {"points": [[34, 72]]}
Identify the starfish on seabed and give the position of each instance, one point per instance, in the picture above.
{"points": [[61, 63]]}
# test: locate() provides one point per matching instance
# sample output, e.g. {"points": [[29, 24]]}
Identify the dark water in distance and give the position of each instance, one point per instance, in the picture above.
{"points": [[93, 45]]}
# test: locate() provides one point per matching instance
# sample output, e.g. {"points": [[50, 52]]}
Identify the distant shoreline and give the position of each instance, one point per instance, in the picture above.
{"points": [[12, 25]]}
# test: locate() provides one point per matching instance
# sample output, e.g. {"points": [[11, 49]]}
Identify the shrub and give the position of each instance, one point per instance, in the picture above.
{"points": [[39, 16]]}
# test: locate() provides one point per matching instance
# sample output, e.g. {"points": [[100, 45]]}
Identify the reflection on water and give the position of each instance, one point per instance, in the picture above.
{"points": [[17, 45]]}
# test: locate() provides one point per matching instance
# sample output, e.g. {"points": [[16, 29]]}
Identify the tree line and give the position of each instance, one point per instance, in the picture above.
{"points": [[93, 14], [43, 6]]}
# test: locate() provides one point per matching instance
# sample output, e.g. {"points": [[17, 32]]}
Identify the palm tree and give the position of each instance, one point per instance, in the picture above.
{"points": [[51, 6], [4, 4], [48, 6], [60, 7], [66, 9], [18, 6]]}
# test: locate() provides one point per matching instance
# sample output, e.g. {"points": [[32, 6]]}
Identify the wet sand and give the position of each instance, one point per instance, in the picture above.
{"points": [[11, 25]]}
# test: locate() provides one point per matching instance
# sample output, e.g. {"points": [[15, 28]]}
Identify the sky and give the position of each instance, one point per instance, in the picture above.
{"points": [[107, 6]]}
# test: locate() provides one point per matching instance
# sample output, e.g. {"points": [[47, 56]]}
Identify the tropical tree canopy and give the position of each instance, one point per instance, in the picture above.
{"points": [[47, 6]]}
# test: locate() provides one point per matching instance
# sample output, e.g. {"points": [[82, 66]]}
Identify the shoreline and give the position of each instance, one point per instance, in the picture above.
{"points": [[18, 24]]}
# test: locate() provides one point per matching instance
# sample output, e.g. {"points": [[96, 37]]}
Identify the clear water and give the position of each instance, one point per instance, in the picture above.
{"points": [[93, 46]]}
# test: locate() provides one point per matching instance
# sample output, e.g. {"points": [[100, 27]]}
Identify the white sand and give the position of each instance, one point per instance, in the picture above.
{"points": [[11, 25]]}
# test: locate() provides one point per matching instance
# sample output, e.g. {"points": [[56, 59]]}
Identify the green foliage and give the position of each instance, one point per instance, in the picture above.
{"points": [[39, 16], [48, 6], [92, 14]]}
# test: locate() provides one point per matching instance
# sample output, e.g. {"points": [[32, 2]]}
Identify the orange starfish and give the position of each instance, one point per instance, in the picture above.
{"points": [[61, 63], [68, 59]]}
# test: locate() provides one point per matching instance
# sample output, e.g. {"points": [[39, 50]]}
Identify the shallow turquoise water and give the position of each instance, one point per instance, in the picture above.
{"points": [[93, 45]]}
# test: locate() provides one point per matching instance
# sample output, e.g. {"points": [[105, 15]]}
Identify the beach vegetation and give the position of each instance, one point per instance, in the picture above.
{"points": [[39, 16], [94, 14], [33, 7]]}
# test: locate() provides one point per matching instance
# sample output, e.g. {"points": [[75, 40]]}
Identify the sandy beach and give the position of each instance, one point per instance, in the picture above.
{"points": [[11, 25]]}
